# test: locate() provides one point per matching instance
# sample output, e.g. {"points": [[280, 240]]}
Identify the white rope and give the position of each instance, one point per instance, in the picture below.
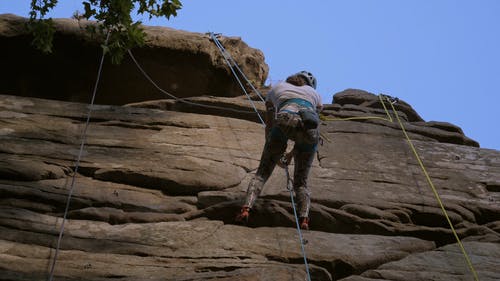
{"points": [[82, 144], [227, 57], [144, 73]]}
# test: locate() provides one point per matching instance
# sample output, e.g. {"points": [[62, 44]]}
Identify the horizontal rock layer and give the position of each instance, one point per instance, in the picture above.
{"points": [[156, 193]]}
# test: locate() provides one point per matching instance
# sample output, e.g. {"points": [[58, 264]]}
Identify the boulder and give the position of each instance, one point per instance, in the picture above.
{"points": [[369, 100], [359, 105]]}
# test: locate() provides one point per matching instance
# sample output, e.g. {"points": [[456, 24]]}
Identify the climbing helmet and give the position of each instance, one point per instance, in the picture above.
{"points": [[310, 79]]}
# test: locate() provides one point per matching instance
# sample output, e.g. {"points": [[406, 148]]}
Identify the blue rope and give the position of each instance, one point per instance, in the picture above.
{"points": [[301, 240], [227, 58], [219, 44]]}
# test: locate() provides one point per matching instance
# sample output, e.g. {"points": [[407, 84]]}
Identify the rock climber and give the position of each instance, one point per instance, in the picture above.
{"points": [[292, 109]]}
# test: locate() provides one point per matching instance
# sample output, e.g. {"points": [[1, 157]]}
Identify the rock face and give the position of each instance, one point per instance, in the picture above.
{"points": [[186, 63], [156, 193], [159, 184]]}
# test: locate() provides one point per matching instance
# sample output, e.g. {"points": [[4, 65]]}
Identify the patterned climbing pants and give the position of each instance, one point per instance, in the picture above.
{"points": [[306, 142]]}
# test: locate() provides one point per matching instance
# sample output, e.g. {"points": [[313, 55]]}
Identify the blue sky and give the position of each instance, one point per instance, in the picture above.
{"points": [[442, 57]]}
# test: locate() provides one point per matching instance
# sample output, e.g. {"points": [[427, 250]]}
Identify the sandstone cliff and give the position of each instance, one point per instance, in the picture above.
{"points": [[160, 182], [174, 58]]}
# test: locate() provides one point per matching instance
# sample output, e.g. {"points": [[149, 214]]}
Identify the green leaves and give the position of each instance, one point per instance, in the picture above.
{"points": [[87, 10], [170, 8], [114, 17], [41, 7], [43, 34], [124, 39], [42, 29], [165, 8]]}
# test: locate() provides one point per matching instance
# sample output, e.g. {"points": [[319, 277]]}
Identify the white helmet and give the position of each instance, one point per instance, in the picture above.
{"points": [[311, 80]]}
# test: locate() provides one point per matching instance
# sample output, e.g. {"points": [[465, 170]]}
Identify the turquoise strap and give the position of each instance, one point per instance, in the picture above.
{"points": [[298, 101]]}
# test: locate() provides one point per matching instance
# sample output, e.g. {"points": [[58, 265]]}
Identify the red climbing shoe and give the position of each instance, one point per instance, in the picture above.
{"points": [[242, 217], [304, 223]]}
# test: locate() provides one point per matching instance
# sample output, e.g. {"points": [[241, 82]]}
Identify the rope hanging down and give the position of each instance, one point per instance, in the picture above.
{"points": [[289, 187], [438, 198], [233, 65], [77, 164], [228, 60], [144, 73], [392, 101]]}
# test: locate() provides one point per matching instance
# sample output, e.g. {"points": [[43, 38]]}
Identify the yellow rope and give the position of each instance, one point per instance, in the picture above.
{"points": [[468, 260], [466, 256], [324, 118], [389, 118]]}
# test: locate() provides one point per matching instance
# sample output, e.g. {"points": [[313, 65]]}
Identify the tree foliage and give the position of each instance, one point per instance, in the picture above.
{"points": [[114, 18]]}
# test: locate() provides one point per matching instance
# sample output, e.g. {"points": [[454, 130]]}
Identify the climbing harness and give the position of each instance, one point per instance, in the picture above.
{"points": [[392, 101], [289, 187], [232, 66], [77, 164]]}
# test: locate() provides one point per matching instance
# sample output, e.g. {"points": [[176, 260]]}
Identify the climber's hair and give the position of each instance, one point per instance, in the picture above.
{"points": [[296, 80]]}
